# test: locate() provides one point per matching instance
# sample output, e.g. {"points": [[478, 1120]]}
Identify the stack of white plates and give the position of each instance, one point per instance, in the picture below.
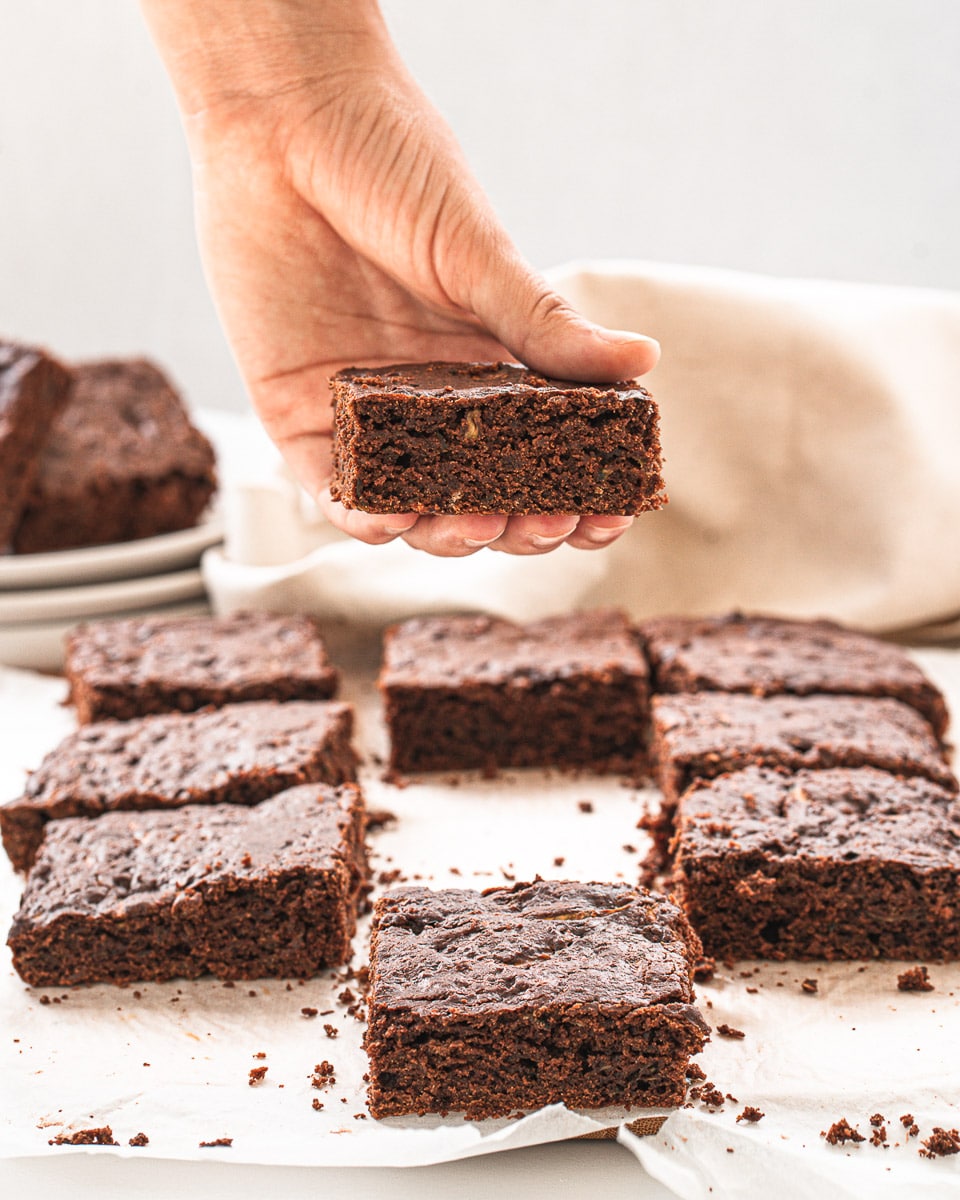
{"points": [[42, 596]]}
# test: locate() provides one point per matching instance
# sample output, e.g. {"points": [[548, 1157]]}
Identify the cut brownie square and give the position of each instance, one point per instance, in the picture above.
{"points": [[122, 462], [142, 665], [463, 692], [33, 391], [820, 864], [446, 437], [239, 892], [769, 656], [239, 754], [544, 993]]}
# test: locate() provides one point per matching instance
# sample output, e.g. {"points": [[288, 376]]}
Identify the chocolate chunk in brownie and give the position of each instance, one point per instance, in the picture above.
{"points": [[543, 993], [834, 864], [769, 656], [239, 892], [122, 462], [240, 754], [463, 692], [34, 388], [447, 437], [140, 665]]}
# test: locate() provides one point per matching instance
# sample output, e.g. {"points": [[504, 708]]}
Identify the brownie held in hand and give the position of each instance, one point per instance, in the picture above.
{"points": [[544, 993], [445, 437]]}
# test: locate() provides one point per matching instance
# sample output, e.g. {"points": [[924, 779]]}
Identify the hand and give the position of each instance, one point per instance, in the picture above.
{"points": [[340, 226]]}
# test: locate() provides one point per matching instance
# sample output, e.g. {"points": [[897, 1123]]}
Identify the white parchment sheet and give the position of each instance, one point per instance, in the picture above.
{"points": [[172, 1060]]}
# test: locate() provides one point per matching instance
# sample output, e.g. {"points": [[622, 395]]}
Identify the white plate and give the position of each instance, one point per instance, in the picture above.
{"points": [[122, 560], [100, 599]]}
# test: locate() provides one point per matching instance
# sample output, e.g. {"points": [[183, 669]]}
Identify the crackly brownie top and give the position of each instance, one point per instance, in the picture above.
{"points": [[767, 655], [177, 755], [200, 652], [542, 943], [450, 651], [460, 381], [837, 814], [707, 733], [123, 420], [120, 862]]}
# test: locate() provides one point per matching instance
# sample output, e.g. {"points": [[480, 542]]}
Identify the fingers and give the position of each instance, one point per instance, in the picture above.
{"points": [[455, 537], [593, 533], [373, 528], [534, 534]]}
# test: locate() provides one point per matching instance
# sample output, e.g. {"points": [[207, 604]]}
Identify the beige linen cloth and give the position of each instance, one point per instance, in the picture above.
{"points": [[811, 433]]}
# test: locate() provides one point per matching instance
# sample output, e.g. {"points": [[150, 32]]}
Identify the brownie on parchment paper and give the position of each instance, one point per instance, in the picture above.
{"points": [[34, 388], [476, 691], [136, 666], [238, 892], [769, 656], [834, 864], [239, 754], [122, 462], [546, 992], [446, 437]]}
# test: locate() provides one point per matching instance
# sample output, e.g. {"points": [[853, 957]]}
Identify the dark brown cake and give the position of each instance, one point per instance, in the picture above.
{"points": [[464, 692], [142, 665], [239, 892], [544, 993], [123, 462], [492, 438], [33, 391], [768, 656], [240, 754], [828, 864]]}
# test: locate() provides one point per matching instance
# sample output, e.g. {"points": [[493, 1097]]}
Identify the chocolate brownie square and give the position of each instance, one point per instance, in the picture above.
{"points": [[543, 993], [464, 692], [122, 462], [446, 437], [770, 656], [238, 892], [239, 754], [33, 391], [140, 665], [835, 864]]}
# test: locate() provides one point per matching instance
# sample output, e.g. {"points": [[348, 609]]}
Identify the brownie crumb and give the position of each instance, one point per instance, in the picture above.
{"points": [[309, 1012], [751, 1114], [559, 861], [257, 1075], [331, 1031], [728, 1031], [940, 1143], [100, 1135], [316, 1104], [629, 849], [260, 1054], [841, 1132], [359, 1116], [139, 1139], [378, 817], [915, 979], [704, 969], [585, 806], [224, 1141], [810, 986], [878, 1136], [346, 996], [44, 999], [695, 1071], [323, 1075], [712, 1097]]}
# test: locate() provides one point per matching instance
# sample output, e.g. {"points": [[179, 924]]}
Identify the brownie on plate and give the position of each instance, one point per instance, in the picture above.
{"points": [[769, 656], [464, 692], [33, 391], [820, 864], [239, 892], [542, 993], [446, 437], [239, 754], [140, 665], [122, 462]]}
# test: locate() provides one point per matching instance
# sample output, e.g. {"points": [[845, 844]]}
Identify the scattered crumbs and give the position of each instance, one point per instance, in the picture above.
{"points": [[704, 969], [346, 996], [359, 1116], [387, 878], [729, 1149], [44, 999], [252, 992], [246, 860], [138, 996], [728, 1031], [316, 1104], [711, 1096], [343, 1099], [909, 1124], [732, 1099], [695, 1071], [559, 861], [289, 987], [752, 991], [331, 1031], [940, 1143], [810, 986], [101, 1135], [309, 1012], [257, 1075], [878, 1135], [751, 1114], [509, 876], [914, 979], [139, 1139], [260, 1054], [323, 1075], [841, 1132], [585, 806], [877, 1120], [779, 983], [228, 983], [454, 870], [224, 1141], [629, 849], [325, 1012]]}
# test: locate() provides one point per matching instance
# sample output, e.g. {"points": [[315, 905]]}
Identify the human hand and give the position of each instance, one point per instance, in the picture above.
{"points": [[341, 226]]}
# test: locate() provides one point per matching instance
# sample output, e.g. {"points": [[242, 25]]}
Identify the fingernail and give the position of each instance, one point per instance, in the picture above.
{"points": [[474, 544], [622, 336], [542, 543], [394, 531]]}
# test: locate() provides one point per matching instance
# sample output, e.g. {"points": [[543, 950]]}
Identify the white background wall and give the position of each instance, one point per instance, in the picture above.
{"points": [[816, 137]]}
